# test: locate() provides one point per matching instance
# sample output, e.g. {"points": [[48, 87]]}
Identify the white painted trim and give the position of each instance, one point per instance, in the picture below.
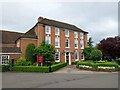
{"points": [[9, 53], [29, 38], [59, 56], [49, 29], [69, 58], [1, 59]]}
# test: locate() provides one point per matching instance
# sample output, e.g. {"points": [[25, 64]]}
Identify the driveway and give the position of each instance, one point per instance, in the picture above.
{"points": [[71, 69], [67, 77]]}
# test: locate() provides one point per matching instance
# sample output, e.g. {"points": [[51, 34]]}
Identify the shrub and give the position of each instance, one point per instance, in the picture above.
{"points": [[96, 55], [98, 65], [46, 50], [118, 61], [5, 68], [22, 62], [58, 66], [29, 54], [74, 63], [108, 64], [42, 69]]}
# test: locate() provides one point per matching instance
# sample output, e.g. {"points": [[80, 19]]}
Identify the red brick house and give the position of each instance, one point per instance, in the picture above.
{"points": [[69, 40]]}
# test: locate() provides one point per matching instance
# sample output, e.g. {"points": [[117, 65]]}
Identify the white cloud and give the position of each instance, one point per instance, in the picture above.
{"points": [[99, 19]]}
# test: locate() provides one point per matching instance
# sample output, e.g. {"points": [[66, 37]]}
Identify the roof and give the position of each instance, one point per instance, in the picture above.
{"points": [[11, 50], [30, 34], [9, 37], [60, 25]]}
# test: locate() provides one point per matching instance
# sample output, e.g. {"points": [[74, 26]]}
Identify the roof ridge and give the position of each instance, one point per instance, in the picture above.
{"points": [[12, 31], [59, 21]]}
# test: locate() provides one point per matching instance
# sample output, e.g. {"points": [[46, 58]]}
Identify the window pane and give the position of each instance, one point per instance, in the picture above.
{"points": [[56, 31], [57, 56]]}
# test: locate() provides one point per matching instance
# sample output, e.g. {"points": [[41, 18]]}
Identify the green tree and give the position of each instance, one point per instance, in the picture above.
{"points": [[29, 55], [90, 42], [46, 50], [87, 53], [96, 55]]}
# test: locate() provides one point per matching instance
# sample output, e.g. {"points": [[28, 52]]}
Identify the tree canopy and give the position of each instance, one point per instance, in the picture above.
{"points": [[29, 55], [46, 50], [110, 47]]}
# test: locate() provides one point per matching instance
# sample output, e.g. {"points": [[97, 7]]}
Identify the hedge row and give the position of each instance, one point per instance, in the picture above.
{"points": [[5, 68], [58, 66], [100, 66], [43, 69]]}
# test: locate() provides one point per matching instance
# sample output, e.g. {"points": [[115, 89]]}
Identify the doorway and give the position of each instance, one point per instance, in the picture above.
{"points": [[67, 58]]}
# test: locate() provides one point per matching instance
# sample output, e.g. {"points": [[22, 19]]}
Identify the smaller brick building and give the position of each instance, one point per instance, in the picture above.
{"points": [[8, 49]]}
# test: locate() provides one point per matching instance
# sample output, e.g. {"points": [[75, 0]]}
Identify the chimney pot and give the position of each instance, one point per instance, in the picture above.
{"points": [[40, 19]]}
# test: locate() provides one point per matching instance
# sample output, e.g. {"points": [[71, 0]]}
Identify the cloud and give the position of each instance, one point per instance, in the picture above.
{"points": [[99, 19]]}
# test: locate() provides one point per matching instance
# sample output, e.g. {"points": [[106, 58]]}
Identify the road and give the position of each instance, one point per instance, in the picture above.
{"points": [[70, 78]]}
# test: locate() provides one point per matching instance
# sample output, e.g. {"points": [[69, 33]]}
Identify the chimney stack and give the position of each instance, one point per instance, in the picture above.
{"points": [[40, 19]]}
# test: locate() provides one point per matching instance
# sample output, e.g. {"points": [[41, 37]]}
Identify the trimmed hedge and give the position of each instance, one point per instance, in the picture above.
{"points": [[96, 65], [74, 63], [42, 69], [5, 68], [58, 66]]}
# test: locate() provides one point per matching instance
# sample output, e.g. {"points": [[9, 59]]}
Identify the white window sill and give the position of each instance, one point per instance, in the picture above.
{"points": [[57, 46], [57, 61], [67, 47], [76, 60], [57, 34]]}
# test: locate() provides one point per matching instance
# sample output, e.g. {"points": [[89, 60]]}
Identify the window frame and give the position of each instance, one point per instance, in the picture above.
{"points": [[76, 59], [76, 42], [75, 34], [58, 57], [82, 43], [58, 42], [1, 57], [48, 39], [56, 28], [46, 27], [68, 42], [67, 35], [81, 35], [82, 55]]}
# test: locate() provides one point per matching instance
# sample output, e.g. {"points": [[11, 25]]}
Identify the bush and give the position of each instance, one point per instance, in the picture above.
{"points": [[108, 64], [29, 54], [74, 63], [58, 66], [5, 68], [96, 55], [42, 69], [118, 61], [22, 62], [98, 64]]}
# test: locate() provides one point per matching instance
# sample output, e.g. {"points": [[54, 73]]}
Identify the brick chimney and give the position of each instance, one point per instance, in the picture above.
{"points": [[40, 19]]}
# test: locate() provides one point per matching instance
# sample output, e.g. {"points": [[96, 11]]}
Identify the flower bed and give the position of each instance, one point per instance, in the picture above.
{"points": [[105, 66]]}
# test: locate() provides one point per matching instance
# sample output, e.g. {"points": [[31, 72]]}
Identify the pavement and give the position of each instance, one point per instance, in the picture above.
{"points": [[67, 77]]}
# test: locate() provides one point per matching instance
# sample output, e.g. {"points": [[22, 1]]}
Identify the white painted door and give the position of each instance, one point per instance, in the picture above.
{"points": [[67, 58]]}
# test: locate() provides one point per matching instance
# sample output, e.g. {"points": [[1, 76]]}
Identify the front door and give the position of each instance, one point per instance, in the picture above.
{"points": [[67, 58]]}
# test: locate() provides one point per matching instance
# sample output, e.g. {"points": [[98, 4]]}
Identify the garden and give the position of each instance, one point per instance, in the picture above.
{"points": [[30, 63], [105, 56]]}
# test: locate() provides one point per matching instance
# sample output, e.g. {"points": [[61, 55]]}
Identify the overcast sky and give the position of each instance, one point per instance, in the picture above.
{"points": [[100, 19]]}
